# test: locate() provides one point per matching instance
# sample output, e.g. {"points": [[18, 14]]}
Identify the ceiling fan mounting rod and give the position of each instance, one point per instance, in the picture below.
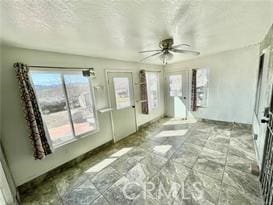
{"points": [[166, 43]]}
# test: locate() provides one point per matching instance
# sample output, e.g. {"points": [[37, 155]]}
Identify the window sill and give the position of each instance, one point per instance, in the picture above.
{"points": [[77, 138]]}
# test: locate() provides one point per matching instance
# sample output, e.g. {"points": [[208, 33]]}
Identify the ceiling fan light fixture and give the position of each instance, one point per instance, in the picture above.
{"points": [[167, 50], [166, 56]]}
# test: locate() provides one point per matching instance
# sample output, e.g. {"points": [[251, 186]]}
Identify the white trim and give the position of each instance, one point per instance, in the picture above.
{"points": [[109, 98]]}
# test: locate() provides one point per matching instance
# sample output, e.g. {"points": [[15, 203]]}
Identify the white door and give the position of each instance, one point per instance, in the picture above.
{"points": [[177, 101], [121, 95], [263, 94]]}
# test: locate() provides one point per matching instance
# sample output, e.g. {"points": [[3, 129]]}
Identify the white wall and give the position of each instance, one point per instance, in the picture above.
{"points": [[7, 188], [15, 134], [232, 83]]}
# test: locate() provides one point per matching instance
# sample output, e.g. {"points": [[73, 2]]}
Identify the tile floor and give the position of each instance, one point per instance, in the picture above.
{"points": [[169, 162]]}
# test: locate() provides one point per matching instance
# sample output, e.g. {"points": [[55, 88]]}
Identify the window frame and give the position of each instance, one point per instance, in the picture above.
{"points": [[207, 88], [158, 90], [91, 88]]}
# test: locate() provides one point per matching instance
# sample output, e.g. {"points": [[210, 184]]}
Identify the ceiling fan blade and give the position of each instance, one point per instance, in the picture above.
{"points": [[149, 51], [185, 51], [151, 56], [183, 44]]}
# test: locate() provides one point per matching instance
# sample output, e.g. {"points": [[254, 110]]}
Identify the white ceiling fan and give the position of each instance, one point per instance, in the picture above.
{"points": [[167, 49]]}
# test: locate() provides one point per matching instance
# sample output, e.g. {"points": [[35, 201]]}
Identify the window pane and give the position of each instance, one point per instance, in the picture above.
{"points": [[51, 98], [175, 85], [202, 87], [152, 87], [122, 92], [80, 102], [259, 85]]}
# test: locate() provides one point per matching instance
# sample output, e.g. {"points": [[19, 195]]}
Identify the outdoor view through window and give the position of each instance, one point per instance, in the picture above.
{"points": [[152, 79], [202, 87], [175, 85], [122, 92], [65, 100]]}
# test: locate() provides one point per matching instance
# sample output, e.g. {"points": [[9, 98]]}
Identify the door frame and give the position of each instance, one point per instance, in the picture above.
{"points": [[259, 128], [189, 88], [109, 98]]}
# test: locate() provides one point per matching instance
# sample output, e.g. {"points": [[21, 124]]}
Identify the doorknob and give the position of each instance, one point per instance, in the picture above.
{"points": [[264, 120], [184, 98], [133, 106]]}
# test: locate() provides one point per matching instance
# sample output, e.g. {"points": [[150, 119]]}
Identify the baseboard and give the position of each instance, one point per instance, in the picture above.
{"points": [[44, 177], [235, 124], [151, 122]]}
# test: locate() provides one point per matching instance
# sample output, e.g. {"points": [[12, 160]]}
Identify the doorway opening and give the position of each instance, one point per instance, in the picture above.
{"points": [[177, 95]]}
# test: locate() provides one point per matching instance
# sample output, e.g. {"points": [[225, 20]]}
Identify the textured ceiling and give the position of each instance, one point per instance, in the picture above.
{"points": [[119, 29]]}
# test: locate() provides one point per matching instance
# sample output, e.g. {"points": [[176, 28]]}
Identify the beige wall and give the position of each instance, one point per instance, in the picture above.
{"points": [[15, 134], [232, 83]]}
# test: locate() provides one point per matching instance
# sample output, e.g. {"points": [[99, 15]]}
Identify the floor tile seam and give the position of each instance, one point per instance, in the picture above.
{"points": [[211, 160], [113, 185], [222, 179], [161, 170], [91, 177], [101, 193], [172, 145], [121, 174], [228, 166], [57, 192], [125, 175], [215, 150], [158, 170], [109, 166], [76, 187], [176, 150], [197, 160], [204, 173], [241, 191], [242, 158], [245, 173]]}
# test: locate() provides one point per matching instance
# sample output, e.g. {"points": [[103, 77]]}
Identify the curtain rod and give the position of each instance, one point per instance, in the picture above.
{"points": [[58, 67]]}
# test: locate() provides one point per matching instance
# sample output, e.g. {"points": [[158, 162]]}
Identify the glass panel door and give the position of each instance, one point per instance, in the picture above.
{"points": [[121, 93], [177, 98]]}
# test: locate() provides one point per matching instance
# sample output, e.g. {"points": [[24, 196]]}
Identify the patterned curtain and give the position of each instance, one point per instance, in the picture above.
{"points": [[193, 91], [143, 93], [32, 114]]}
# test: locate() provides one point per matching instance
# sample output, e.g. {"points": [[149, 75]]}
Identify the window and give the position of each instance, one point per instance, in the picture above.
{"points": [[152, 80], [175, 85], [202, 88], [66, 103], [259, 85], [122, 92]]}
